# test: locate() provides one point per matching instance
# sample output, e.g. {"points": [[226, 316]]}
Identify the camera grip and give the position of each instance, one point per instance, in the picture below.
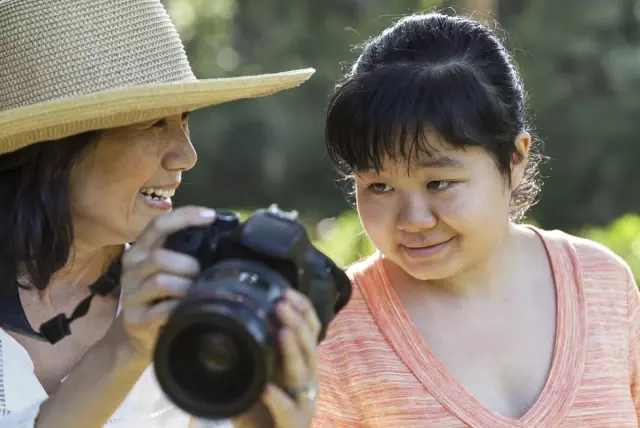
{"points": [[190, 241]]}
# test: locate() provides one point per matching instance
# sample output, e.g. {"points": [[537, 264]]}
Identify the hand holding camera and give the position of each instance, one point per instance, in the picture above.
{"points": [[153, 278], [235, 307]]}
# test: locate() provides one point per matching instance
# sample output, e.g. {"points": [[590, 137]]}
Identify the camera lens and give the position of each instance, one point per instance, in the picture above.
{"points": [[218, 349], [217, 353], [213, 365], [215, 360]]}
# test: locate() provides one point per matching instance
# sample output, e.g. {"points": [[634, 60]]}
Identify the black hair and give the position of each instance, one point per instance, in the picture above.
{"points": [[36, 230], [431, 72]]}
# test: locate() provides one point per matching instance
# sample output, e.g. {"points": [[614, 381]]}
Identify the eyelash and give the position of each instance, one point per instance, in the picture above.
{"points": [[449, 184], [372, 186], [159, 124], [162, 123]]}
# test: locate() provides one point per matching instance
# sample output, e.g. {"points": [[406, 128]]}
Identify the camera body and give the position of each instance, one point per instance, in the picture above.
{"points": [[219, 348]]}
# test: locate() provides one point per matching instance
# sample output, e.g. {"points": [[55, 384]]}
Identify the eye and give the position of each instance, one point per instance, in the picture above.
{"points": [[185, 122], [439, 184], [162, 123], [380, 187]]}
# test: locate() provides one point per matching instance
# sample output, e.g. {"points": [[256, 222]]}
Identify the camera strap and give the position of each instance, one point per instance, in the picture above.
{"points": [[58, 327], [13, 317]]}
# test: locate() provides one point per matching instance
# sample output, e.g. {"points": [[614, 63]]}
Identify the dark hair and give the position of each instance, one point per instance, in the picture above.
{"points": [[36, 233], [431, 72]]}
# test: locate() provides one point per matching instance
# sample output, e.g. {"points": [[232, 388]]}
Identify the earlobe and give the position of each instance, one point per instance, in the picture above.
{"points": [[522, 145]]}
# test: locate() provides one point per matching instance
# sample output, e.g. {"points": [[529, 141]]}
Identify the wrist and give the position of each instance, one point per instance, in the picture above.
{"points": [[116, 342]]}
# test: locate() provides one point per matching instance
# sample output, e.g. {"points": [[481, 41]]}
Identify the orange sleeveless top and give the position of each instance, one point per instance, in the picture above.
{"points": [[376, 371]]}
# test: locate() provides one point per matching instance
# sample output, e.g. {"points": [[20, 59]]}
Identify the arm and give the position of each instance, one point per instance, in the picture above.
{"points": [[634, 342], [88, 397], [95, 388]]}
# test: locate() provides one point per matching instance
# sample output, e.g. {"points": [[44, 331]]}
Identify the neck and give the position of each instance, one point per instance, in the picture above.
{"points": [[92, 253], [86, 264], [492, 274]]}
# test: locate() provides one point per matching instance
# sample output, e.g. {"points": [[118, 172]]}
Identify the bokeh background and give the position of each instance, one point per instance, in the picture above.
{"points": [[580, 61]]}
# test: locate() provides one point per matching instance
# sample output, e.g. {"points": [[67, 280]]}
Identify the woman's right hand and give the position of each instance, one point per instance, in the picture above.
{"points": [[151, 272]]}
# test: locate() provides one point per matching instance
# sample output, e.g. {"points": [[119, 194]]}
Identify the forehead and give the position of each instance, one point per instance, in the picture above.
{"points": [[442, 159], [424, 149]]}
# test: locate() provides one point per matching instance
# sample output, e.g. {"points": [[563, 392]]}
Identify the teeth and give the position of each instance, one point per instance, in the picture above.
{"points": [[161, 193]]}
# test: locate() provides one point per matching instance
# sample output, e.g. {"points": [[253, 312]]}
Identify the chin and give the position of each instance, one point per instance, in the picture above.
{"points": [[426, 274], [137, 226], [432, 270]]}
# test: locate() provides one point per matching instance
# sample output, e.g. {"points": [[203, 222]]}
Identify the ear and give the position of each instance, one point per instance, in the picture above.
{"points": [[519, 159]]}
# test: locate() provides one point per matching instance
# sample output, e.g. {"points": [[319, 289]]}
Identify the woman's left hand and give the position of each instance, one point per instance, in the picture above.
{"points": [[290, 401]]}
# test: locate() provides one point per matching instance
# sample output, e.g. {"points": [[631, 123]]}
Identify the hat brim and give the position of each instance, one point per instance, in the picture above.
{"points": [[126, 106]]}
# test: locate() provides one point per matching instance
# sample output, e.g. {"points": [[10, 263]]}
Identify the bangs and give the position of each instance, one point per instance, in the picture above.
{"points": [[404, 112]]}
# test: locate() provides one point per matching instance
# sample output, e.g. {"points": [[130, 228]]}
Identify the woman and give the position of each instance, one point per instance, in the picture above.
{"points": [[93, 142], [462, 317]]}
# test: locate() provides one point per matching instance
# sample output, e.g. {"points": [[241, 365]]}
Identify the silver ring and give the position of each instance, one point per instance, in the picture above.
{"points": [[306, 393]]}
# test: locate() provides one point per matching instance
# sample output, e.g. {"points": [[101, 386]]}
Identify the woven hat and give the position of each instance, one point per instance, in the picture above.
{"points": [[71, 66]]}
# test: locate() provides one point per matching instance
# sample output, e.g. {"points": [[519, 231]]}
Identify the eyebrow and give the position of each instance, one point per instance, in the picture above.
{"points": [[439, 162]]}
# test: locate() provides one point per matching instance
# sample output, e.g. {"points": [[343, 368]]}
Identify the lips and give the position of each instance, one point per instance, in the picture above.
{"points": [[425, 251], [159, 197], [425, 244]]}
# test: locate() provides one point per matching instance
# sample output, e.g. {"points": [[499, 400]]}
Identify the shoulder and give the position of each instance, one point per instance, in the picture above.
{"points": [[12, 352], [591, 257], [364, 268], [356, 315], [18, 381], [603, 278]]}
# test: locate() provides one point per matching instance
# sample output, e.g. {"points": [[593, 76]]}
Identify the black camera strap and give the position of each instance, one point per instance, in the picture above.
{"points": [[12, 316], [58, 327]]}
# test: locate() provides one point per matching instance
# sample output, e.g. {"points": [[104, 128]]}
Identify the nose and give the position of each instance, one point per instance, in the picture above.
{"points": [[416, 214], [181, 155]]}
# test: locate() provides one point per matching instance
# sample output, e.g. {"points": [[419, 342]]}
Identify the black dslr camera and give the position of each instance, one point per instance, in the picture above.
{"points": [[219, 349]]}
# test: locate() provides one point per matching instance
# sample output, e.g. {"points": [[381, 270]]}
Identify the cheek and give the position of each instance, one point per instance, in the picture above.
{"points": [[129, 159], [101, 197], [476, 209], [105, 188], [378, 219]]}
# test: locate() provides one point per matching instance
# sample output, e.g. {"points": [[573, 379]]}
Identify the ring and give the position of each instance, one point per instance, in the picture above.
{"points": [[306, 393]]}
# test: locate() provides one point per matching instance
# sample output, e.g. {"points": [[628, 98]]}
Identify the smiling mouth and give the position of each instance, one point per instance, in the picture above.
{"points": [[157, 194], [418, 247], [426, 252]]}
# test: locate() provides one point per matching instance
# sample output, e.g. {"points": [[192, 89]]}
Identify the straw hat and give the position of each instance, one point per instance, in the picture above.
{"points": [[70, 66]]}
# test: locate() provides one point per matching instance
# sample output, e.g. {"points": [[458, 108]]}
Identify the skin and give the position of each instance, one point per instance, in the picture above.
{"points": [[444, 198], [461, 295], [105, 356]]}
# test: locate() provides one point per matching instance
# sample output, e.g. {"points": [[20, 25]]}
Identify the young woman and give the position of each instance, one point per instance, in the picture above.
{"points": [[463, 317]]}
